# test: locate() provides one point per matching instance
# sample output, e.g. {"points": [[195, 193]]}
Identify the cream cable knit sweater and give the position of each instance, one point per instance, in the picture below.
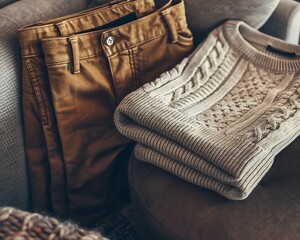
{"points": [[219, 117]]}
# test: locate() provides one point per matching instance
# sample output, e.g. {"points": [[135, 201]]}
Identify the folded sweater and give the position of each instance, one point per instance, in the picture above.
{"points": [[220, 116]]}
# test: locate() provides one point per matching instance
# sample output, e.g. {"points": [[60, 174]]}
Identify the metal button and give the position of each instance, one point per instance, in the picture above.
{"points": [[110, 41]]}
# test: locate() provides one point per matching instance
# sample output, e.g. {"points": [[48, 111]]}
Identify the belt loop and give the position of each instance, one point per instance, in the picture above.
{"points": [[117, 1], [171, 25], [75, 53], [62, 29]]}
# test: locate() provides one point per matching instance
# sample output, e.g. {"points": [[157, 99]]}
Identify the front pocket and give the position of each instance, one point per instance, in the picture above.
{"points": [[39, 88]]}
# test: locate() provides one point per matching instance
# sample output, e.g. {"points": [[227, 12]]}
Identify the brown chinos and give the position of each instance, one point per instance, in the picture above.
{"points": [[76, 70]]}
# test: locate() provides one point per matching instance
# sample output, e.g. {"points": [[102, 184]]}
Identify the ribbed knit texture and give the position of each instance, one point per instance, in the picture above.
{"points": [[220, 116]]}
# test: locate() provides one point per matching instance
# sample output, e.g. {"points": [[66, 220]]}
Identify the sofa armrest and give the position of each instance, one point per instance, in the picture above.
{"points": [[285, 22], [4, 3]]}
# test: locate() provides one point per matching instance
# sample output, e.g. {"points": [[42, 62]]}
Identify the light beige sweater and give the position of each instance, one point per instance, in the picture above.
{"points": [[220, 116]]}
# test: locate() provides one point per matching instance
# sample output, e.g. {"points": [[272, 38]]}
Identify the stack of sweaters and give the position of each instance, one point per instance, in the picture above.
{"points": [[220, 116]]}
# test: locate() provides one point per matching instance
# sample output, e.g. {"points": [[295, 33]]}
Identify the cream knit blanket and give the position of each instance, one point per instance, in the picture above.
{"points": [[220, 116]]}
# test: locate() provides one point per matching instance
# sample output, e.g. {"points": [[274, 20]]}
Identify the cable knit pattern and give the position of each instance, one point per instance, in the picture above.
{"points": [[221, 115], [286, 104], [207, 83], [246, 95], [207, 68]]}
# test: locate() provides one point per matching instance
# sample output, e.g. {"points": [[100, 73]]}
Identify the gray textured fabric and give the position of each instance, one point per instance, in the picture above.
{"points": [[4, 3], [13, 176], [285, 22]]}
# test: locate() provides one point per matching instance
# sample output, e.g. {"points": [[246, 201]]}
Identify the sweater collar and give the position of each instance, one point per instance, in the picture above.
{"points": [[239, 35]]}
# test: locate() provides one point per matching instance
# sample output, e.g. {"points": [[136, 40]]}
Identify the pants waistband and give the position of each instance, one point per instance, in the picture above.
{"points": [[30, 36], [168, 21]]}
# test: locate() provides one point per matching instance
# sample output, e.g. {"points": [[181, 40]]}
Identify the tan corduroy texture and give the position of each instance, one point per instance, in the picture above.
{"points": [[20, 225], [219, 118]]}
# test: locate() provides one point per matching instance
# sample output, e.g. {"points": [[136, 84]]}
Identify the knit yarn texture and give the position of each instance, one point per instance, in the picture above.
{"points": [[219, 117], [20, 225]]}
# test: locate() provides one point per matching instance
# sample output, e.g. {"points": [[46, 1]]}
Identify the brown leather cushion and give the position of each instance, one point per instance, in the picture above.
{"points": [[167, 207]]}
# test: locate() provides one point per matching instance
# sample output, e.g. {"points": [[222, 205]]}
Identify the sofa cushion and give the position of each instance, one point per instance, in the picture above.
{"points": [[204, 15], [13, 176], [167, 207]]}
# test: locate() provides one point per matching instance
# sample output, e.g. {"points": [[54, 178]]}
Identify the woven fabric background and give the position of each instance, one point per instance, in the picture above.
{"points": [[13, 178]]}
